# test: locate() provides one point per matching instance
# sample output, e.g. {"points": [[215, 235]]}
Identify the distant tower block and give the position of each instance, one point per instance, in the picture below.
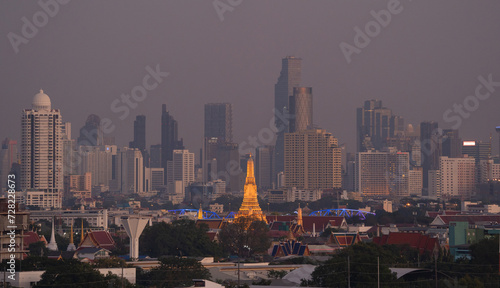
{"points": [[498, 132], [134, 225]]}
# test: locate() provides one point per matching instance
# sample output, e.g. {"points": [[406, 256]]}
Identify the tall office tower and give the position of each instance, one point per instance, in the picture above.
{"points": [[301, 109], [430, 146], [98, 161], [139, 135], [382, 173], [155, 156], [264, 167], [479, 151], [219, 121], [169, 139], [312, 160], [228, 166], [8, 156], [180, 172], [209, 155], [128, 171], [451, 144], [458, 177], [42, 153], [290, 76], [374, 124], [488, 171], [91, 132], [153, 179]]}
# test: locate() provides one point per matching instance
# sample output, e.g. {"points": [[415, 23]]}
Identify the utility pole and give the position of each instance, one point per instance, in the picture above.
{"points": [[348, 272], [436, 270], [378, 271]]}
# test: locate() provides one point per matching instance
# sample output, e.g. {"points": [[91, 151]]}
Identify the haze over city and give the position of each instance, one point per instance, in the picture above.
{"points": [[426, 59]]}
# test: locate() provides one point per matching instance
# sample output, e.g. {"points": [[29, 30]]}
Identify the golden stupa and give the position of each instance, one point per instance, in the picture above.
{"points": [[250, 206]]}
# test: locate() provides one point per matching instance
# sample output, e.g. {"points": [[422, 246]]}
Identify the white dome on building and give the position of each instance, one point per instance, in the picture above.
{"points": [[41, 101]]}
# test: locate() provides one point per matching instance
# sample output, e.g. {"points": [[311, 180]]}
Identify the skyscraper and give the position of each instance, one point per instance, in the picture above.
{"points": [[128, 171], [42, 153], [219, 121], [301, 109], [458, 177], [91, 132], [374, 125], [169, 139], [290, 76], [181, 168], [430, 146], [312, 160], [264, 167], [452, 143], [139, 135], [155, 155]]}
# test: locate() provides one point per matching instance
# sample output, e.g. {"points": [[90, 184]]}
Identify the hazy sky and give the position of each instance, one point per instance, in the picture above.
{"points": [[426, 59]]}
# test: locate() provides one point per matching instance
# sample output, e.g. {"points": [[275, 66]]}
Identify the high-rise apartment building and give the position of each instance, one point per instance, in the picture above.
{"points": [[415, 181], [290, 76], [42, 153], [312, 160], [301, 109], [128, 171], [383, 173], [169, 139], [98, 160], [458, 177], [181, 168], [219, 121]]}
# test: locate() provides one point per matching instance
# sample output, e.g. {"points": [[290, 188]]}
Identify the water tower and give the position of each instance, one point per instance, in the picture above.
{"points": [[134, 225]]}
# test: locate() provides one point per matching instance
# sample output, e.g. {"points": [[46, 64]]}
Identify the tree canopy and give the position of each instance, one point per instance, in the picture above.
{"points": [[174, 272], [180, 238]]}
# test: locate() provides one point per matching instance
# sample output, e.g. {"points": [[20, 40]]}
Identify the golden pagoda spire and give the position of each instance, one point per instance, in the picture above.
{"points": [[250, 206], [299, 217], [200, 213]]}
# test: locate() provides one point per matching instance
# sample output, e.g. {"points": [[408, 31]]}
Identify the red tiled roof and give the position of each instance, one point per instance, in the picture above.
{"points": [[415, 240], [30, 237], [211, 235], [212, 224], [101, 239]]}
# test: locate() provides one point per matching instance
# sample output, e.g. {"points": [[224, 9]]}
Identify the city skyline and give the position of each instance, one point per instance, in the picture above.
{"points": [[405, 81]]}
